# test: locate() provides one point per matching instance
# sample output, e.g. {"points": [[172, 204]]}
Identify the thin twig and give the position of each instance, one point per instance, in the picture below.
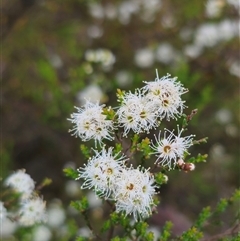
{"points": [[231, 231], [110, 234], [90, 226]]}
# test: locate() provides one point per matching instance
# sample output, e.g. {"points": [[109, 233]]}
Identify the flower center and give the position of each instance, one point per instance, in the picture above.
{"points": [[130, 119], [109, 171], [156, 92], [165, 103], [87, 125], [167, 149], [130, 186], [143, 114]]}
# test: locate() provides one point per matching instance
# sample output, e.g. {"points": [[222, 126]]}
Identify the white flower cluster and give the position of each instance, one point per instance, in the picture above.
{"points": [[108, 173], [131, 189], [91, 123], [140, 111], [31, 206]]}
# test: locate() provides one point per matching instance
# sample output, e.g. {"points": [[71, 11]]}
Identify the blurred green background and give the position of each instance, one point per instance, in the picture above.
{"points": [[55, 52]]}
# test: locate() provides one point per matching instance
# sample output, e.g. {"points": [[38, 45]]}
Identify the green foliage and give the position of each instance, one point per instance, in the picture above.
{"points": [[72, 229], [109, 112], [79, 238], [193, 234], [222, 205], [144, 147], [166, 231], [24, 233], [135, 141], [200, 158], [118, 239], [85, 150], [196, 232], [141, 229], [5, 160], [118, 148], [106, 225], [160, 178], [203, 216], [70, 172], [80, 205]]}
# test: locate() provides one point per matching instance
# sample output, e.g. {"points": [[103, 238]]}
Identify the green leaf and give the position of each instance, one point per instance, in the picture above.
{"points": [[166, 231], [80, 238], [85, 151], [70, 172], [203, 216], [141, 228], [81, 205], [106, 226], [193, 234], [160, 178]]}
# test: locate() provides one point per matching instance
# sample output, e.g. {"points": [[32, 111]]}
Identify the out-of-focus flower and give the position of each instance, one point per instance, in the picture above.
{"points": [[214, 8], [144, 58], [21, 182], [85, 232], [134, 190], [93, 200], [168, 20], [149, 10], [56, 215], [110, 11], [228, 29], [7, 227], [234, 3], [165, 53], [96, 10], [207, 35], [94, 31], [91, 123], [71, 188], [3, 212], [234, 67], [42, 233], [92, 92], [124, 78], [224, 116], [193, 50], [126, 9], [102, 56], [32, 211]]}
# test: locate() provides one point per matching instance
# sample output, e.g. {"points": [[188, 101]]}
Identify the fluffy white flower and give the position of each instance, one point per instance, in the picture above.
{"points": [[3, 212], [166, 93], [171, 147], [56, 215], [21, 182], [91, 123], [7, 228], [32, 211], [92, 92], [103, 56], [134, 190], [42, 233], [182, 144], [144, 58], [100, 171], [136, 113]]}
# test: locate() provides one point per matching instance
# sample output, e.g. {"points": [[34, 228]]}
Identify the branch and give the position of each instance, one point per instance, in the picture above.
{"points": [[231, 231]]}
